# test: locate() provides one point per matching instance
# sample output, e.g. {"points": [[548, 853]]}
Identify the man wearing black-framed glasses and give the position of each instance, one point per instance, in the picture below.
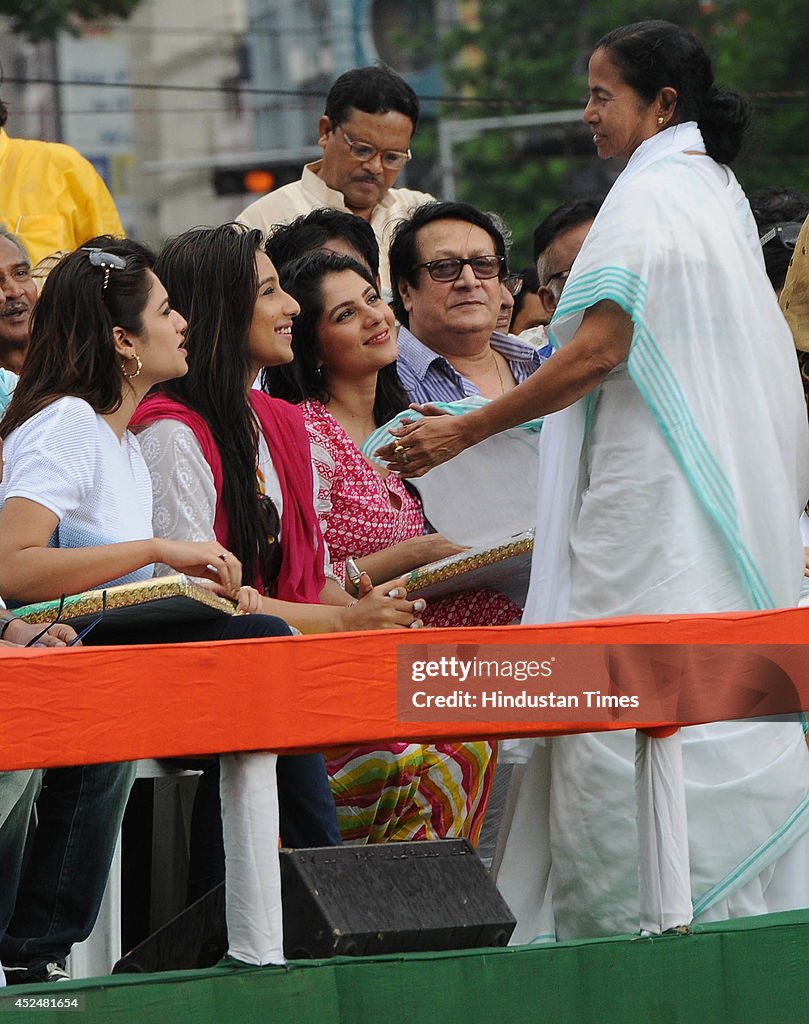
{"points": [[370, 117], [448, 262]]}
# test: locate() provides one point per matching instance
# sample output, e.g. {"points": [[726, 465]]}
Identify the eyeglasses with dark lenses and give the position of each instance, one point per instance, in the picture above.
{"points": [[786, 235], [514, 283], [483, 267], [392, 159]]}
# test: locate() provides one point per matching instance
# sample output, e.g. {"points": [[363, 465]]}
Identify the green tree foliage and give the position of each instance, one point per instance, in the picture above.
{"points": [[518, 57], [45, 19]]}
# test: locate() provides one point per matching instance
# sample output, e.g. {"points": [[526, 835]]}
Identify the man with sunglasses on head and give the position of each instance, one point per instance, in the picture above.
{"points": [[447, 264], [365, 132], [18, 294]]}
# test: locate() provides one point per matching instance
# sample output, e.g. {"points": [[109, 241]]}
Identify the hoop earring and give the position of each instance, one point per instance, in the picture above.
{"points": [[131, 376]]}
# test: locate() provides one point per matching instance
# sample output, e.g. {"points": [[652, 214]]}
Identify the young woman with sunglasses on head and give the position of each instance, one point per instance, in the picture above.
{"points": [[344, 376], [76, 514], [102, 334]]}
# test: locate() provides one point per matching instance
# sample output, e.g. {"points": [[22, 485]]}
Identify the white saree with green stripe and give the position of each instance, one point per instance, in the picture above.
{"points": [[676, 488]]}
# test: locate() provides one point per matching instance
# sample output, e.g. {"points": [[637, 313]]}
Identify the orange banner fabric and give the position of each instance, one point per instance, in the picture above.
{"points": [[98, 704]]}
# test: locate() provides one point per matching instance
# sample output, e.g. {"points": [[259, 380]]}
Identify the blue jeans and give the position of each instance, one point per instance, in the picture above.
{"points": [[18, 790], [79, 816]]}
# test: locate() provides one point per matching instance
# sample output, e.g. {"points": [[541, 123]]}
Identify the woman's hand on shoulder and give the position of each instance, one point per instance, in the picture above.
{"points": [[426, 443], [383, 607], [208, 559]]}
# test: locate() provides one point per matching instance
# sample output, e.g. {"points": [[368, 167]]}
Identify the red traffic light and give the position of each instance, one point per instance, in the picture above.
{"points": [[259, 180], [255, 179]]}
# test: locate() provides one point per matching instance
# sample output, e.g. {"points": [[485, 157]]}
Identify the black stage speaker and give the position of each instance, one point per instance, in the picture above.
{"points": [[389, 898], [351, 901], [195, 938]]}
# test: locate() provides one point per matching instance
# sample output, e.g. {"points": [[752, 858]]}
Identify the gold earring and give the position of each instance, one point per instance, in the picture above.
{"points": [[139, 364], [661, 119]]}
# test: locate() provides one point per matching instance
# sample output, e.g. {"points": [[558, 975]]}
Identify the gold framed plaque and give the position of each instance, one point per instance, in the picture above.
{"points": [[504, 566], [158, 601]]}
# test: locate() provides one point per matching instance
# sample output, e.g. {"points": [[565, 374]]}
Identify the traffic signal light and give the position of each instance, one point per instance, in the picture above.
{"points": [[254, 179]]}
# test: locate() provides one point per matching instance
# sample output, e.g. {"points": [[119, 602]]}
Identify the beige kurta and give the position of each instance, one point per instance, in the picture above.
{"points": [[312, 193]]}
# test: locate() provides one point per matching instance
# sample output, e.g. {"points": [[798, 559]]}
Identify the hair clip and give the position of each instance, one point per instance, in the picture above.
{"points": [[106, 260]]}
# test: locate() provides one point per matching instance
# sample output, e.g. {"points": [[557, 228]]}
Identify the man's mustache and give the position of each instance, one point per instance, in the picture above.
{"points": [[11, 309]]}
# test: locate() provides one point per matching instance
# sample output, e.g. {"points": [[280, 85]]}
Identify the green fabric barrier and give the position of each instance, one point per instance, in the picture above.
{"points": [[745, 971]]}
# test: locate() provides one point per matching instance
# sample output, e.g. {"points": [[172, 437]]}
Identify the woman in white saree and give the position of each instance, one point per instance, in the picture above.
{"points": [[674, 470]]}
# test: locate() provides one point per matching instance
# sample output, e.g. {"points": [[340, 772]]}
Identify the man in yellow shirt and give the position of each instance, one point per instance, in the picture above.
{"points": [[50, 196]]}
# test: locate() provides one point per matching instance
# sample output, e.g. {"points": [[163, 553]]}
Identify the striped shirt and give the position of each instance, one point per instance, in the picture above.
{"points": [[429, 377]]}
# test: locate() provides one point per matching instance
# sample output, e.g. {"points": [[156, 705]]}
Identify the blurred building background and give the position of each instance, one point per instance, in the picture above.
{"points": [[161, 102], [179, 103]]}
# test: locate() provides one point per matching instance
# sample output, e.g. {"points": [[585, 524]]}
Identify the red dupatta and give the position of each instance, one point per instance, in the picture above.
{"points": [[302, 575]]}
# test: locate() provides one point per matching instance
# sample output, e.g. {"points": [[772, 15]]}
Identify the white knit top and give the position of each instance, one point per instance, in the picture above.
{"points": [[68, 459]]}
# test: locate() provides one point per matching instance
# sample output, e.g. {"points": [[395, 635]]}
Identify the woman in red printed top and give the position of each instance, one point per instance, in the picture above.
{"points": [[344, 377]]}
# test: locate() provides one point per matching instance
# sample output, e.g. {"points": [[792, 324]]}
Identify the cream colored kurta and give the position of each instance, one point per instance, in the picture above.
{"points": [[312, 193]]}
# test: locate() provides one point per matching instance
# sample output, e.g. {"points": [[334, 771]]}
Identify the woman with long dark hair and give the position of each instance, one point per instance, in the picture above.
{"points": [[229, 461], [344, 377], [76, 514]]}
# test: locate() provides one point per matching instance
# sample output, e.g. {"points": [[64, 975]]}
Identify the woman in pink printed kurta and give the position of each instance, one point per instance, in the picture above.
{"points": [[362, 510], [344, 345]]}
